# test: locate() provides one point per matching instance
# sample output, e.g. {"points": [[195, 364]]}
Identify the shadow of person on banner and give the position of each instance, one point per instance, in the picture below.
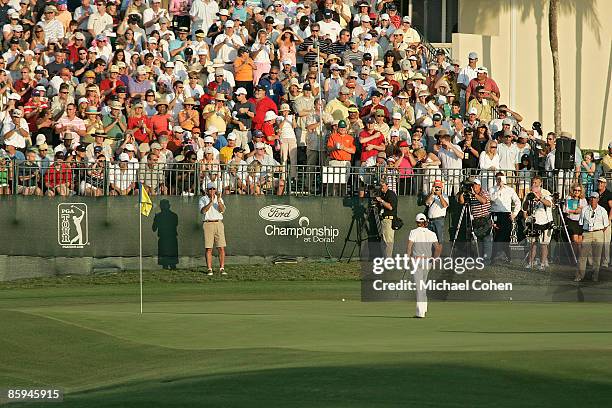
{"points": [[165, 224]]}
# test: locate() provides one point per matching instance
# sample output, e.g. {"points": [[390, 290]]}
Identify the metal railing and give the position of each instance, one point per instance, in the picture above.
{"points": [[102, 178]]}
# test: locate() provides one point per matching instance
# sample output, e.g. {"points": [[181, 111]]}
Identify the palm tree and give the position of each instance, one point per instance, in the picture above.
{"points": [[553, 16]]}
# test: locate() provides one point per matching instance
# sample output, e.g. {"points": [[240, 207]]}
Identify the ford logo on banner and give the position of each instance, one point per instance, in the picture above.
{"points": [[279, 213]]}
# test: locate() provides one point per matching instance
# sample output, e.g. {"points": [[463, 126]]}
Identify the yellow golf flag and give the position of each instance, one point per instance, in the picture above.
{"points": [[146, 205]]}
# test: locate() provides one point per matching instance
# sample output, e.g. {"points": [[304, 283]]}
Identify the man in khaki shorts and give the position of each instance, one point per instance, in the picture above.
{"points": [[212, 208]]}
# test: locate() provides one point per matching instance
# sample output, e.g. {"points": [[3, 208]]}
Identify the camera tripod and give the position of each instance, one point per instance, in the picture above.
{"points": [[560, 227], [469, 230], [361, 226]]}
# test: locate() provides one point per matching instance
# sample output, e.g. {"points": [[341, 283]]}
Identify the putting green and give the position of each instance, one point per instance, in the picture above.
{"points": [[236, 344]]}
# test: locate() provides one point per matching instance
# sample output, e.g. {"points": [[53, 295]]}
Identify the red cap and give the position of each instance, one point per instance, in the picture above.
{"points": [[438, 183], [403, 143]]}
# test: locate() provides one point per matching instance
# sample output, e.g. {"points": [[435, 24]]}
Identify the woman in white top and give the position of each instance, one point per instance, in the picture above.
{"points": [[262, 54], [489, 161], [286, 130]]}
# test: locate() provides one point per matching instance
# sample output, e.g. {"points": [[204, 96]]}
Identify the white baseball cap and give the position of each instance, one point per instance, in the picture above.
{"points": [[240, 91], [473, 111], [124, 157], [209, 139], [270, 115], [420, 217]]}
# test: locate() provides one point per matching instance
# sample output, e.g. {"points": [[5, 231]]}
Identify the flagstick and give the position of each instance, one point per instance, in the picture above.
{"points": [[140, 241]]}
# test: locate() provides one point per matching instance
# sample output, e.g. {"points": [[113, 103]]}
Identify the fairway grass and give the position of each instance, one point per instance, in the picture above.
{"points": [[297, 344]]}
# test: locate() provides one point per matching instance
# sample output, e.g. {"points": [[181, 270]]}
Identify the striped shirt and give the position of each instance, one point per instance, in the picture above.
{"points": [[339, 49], [310, 57], [478, 209]]}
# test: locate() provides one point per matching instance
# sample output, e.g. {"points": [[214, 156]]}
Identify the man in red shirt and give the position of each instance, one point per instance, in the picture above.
{"points": [[395, 18], [160, 122], [372, 141], [33, 107], [263, 104], [482, 79], [78, 42], [25, 85], [109, 85], [374, 106]]}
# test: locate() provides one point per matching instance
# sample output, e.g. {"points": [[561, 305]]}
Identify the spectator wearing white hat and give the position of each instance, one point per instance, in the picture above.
{"points": [[207, 143], [243, 113], [594, 221], [226, 45], [122, 178], [411, 36], [332, 84], [262, 174], [483, 81], [466, 74], [212, 209], [397, 125], [227, 152], [605, 201]]}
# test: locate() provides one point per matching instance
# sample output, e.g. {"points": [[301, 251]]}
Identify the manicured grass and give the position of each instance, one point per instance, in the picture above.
{"points": [[295, 343]]}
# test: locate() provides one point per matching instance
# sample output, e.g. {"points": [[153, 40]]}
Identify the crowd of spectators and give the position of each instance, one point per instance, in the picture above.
{"points": [[97, 96]]}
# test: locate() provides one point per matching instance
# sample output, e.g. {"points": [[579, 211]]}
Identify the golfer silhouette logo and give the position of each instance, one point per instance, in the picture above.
{"points": [[72, 225]]}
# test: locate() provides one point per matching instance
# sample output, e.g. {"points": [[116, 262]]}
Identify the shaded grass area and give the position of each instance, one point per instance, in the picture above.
{"points": [[307, 271]]}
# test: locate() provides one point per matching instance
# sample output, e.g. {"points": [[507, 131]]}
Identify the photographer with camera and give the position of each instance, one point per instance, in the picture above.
{"points": [[479, 203], [538, 205], [437, 203], [505, 205], [386, 203]]}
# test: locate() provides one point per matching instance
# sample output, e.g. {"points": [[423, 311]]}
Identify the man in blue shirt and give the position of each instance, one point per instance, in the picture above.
{"points": [[273, 85]]}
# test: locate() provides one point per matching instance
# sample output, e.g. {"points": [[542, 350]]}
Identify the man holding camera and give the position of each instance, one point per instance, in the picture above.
{"points": [[437, 203], [505, 206], [212, 208], [538, 204], [480, 206], [387, 204]]}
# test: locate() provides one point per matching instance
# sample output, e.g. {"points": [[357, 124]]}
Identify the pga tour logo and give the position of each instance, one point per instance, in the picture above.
{"points": [[72, 225]]}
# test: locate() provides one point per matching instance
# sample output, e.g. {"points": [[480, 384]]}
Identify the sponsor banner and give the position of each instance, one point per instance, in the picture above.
{"points": [[254, 226]]}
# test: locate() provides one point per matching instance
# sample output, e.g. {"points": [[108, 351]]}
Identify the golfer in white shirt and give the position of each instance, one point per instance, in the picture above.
{"points": [[423, 245]]}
